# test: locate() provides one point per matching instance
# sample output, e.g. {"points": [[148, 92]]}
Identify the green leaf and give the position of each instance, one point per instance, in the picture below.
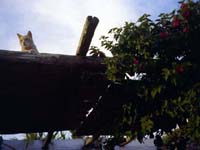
{"points": [[165, 73], [156, 90], [146, 124]]}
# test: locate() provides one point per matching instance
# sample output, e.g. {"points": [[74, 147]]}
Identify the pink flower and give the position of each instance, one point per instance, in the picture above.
{"points": [[180, 69], [135, 61], [176, 22], [185, 10], [186, 29], [184, 6], [141, 68], [186, 14], [164, 35]]}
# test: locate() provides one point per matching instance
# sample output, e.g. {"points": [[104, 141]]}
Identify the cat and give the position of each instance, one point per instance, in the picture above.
{"points": [[27, 44]]}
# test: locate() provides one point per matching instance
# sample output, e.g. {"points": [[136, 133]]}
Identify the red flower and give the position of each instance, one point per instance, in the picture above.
{"points": [[186, 14], [184, 6], [141, 68], [135, 61], [179, 69], [164, 35], [185, 10], [186, 29], [176, 22]]}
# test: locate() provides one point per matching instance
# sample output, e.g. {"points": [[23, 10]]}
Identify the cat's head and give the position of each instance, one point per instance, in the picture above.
{"points": [[26, 41]]}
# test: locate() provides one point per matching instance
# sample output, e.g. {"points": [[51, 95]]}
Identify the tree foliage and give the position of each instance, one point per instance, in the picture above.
{"points": [[163, 56]]}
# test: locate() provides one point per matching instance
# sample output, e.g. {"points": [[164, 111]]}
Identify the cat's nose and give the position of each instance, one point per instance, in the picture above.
{"points": [[24, 43]]}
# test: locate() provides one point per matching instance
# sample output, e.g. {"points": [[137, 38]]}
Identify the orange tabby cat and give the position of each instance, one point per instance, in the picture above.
{"points": [[27, 44]]}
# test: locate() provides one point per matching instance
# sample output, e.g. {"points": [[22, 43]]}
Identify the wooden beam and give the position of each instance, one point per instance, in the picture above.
{"points": [[47, 91], [86, 36]]}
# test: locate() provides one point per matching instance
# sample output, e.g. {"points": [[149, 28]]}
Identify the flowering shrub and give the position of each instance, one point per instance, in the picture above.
{"points": [[163, 56]]}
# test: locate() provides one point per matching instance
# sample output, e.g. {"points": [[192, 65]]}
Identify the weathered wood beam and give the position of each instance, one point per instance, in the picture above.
{"points": [[86, 36], [47, 92]]}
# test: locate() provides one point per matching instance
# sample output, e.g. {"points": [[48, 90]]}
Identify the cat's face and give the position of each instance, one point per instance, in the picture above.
{"points": [[26, 41]]}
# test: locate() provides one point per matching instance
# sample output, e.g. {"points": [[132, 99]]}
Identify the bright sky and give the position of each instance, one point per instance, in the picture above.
{"points": [[56, 25]]}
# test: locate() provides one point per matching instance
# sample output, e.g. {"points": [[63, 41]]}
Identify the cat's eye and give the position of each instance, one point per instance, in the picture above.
{"points": [[27, 40]]}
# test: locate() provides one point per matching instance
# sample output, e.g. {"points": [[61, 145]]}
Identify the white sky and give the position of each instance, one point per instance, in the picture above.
{"points": [[56, 25]]}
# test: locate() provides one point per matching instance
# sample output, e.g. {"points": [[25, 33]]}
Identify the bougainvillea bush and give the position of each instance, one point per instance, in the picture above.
{"points": [[160, 62]]}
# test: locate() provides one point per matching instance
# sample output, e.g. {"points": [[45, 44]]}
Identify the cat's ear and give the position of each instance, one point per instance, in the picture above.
{"points": [[29, 34], [19, 35]]}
